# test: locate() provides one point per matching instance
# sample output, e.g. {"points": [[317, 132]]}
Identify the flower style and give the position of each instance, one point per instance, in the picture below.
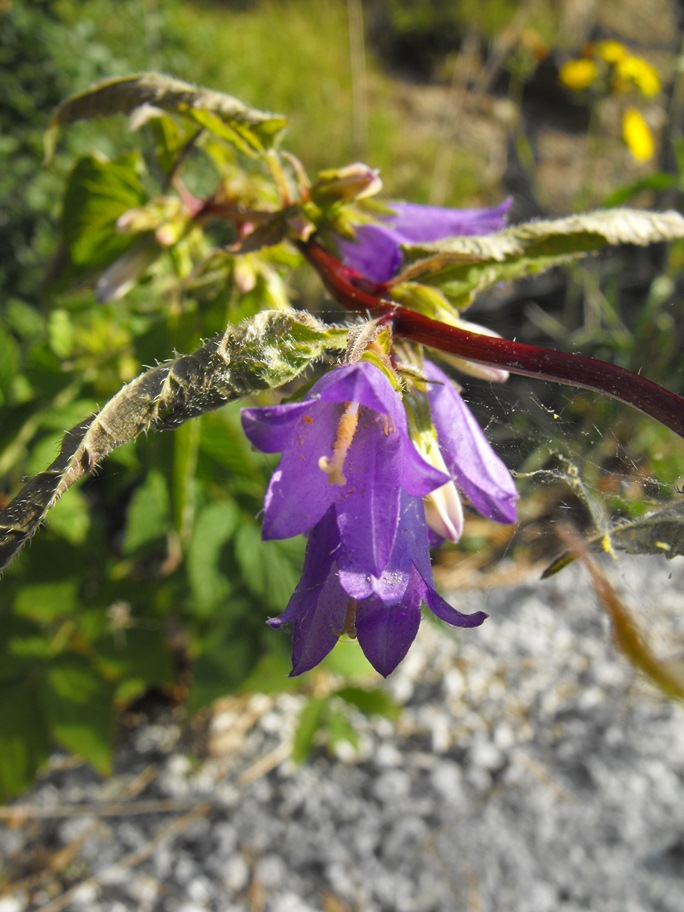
{"points": [[351, 476], [376, 250]]}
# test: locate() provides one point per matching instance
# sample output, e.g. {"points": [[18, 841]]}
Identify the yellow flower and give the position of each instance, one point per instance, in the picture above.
{"points": [[578, 74], [611, 51], [642, 74], [637, 135]]}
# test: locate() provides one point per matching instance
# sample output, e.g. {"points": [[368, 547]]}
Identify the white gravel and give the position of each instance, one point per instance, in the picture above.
{"points": [[531, 769]]}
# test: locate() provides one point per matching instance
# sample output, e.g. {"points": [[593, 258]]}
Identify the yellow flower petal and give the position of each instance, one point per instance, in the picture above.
{"points": [[578, 74], [610, 51], [637, 135], [642, 74]]}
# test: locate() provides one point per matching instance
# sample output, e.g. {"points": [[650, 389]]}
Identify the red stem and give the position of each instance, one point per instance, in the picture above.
{"points": [[354, 292]]}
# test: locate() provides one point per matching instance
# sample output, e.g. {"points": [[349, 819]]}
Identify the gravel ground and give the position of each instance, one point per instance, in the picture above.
{"points": [[530, 769]]}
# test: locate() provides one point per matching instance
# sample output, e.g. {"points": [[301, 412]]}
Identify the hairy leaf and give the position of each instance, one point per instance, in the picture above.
{"points": [[463, 266], [250, 130]]}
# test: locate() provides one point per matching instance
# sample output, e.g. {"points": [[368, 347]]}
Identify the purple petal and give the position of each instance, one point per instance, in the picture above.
{"points": [[376, 250], [368, 506], [389, 587], [319, 623], [447, 613], [363, 383], [270, 429], [299, 492], [318, 605], [476, 468], [419, 224], [385, 634]]}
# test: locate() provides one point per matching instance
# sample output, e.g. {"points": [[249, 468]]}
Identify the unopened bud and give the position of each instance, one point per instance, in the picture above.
{"points": [[356, 181]]}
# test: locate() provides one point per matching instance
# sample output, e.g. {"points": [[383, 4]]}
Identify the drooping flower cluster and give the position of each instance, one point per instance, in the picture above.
{"points": [[351, 477]]}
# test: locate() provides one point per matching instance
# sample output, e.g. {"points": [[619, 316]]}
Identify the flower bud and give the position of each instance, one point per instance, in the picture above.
{"points": [[356, 181]]}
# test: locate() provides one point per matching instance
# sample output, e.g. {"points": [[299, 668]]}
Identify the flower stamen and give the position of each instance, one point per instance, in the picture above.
{"points": [[345, 434]]}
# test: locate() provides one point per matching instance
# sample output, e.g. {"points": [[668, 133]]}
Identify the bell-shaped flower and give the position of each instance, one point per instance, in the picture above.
{"points": [[468, 456], [344, 445], [376, 250], [335, 597]]}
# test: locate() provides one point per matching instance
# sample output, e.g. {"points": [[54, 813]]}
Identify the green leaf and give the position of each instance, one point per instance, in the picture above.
{"points": [[227, 658], [463, 266], [270, 569], [310, 721], [666, 674], [24, 740], [149, 516], [97, 193], [250, 130], [78, 706], [370, 702], [70, 518], [340, 730], [10, 361], [215, 525], [47, 601], [136, 656]]}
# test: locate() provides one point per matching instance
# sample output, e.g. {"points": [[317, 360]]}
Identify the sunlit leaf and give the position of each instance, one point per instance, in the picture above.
{"points": [[310, 720], [340, 730], [98, 192], [47, 601], [667, 675], [249, 129], [370, 702], [463, 266]]}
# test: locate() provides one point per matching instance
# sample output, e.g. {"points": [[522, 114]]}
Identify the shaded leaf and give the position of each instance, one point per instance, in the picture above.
{"points": [[215, 525], [138, 655], [227, 658], [24, 741], [78, 706], [148, 518]]}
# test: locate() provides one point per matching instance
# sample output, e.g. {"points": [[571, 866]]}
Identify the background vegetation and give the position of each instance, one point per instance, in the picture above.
{"points": [[151, 578]]}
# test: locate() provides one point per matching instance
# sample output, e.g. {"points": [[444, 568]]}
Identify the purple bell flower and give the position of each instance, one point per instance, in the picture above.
{"points": [[376, 250], [345, 445], [351, 477], [334, 597]]}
